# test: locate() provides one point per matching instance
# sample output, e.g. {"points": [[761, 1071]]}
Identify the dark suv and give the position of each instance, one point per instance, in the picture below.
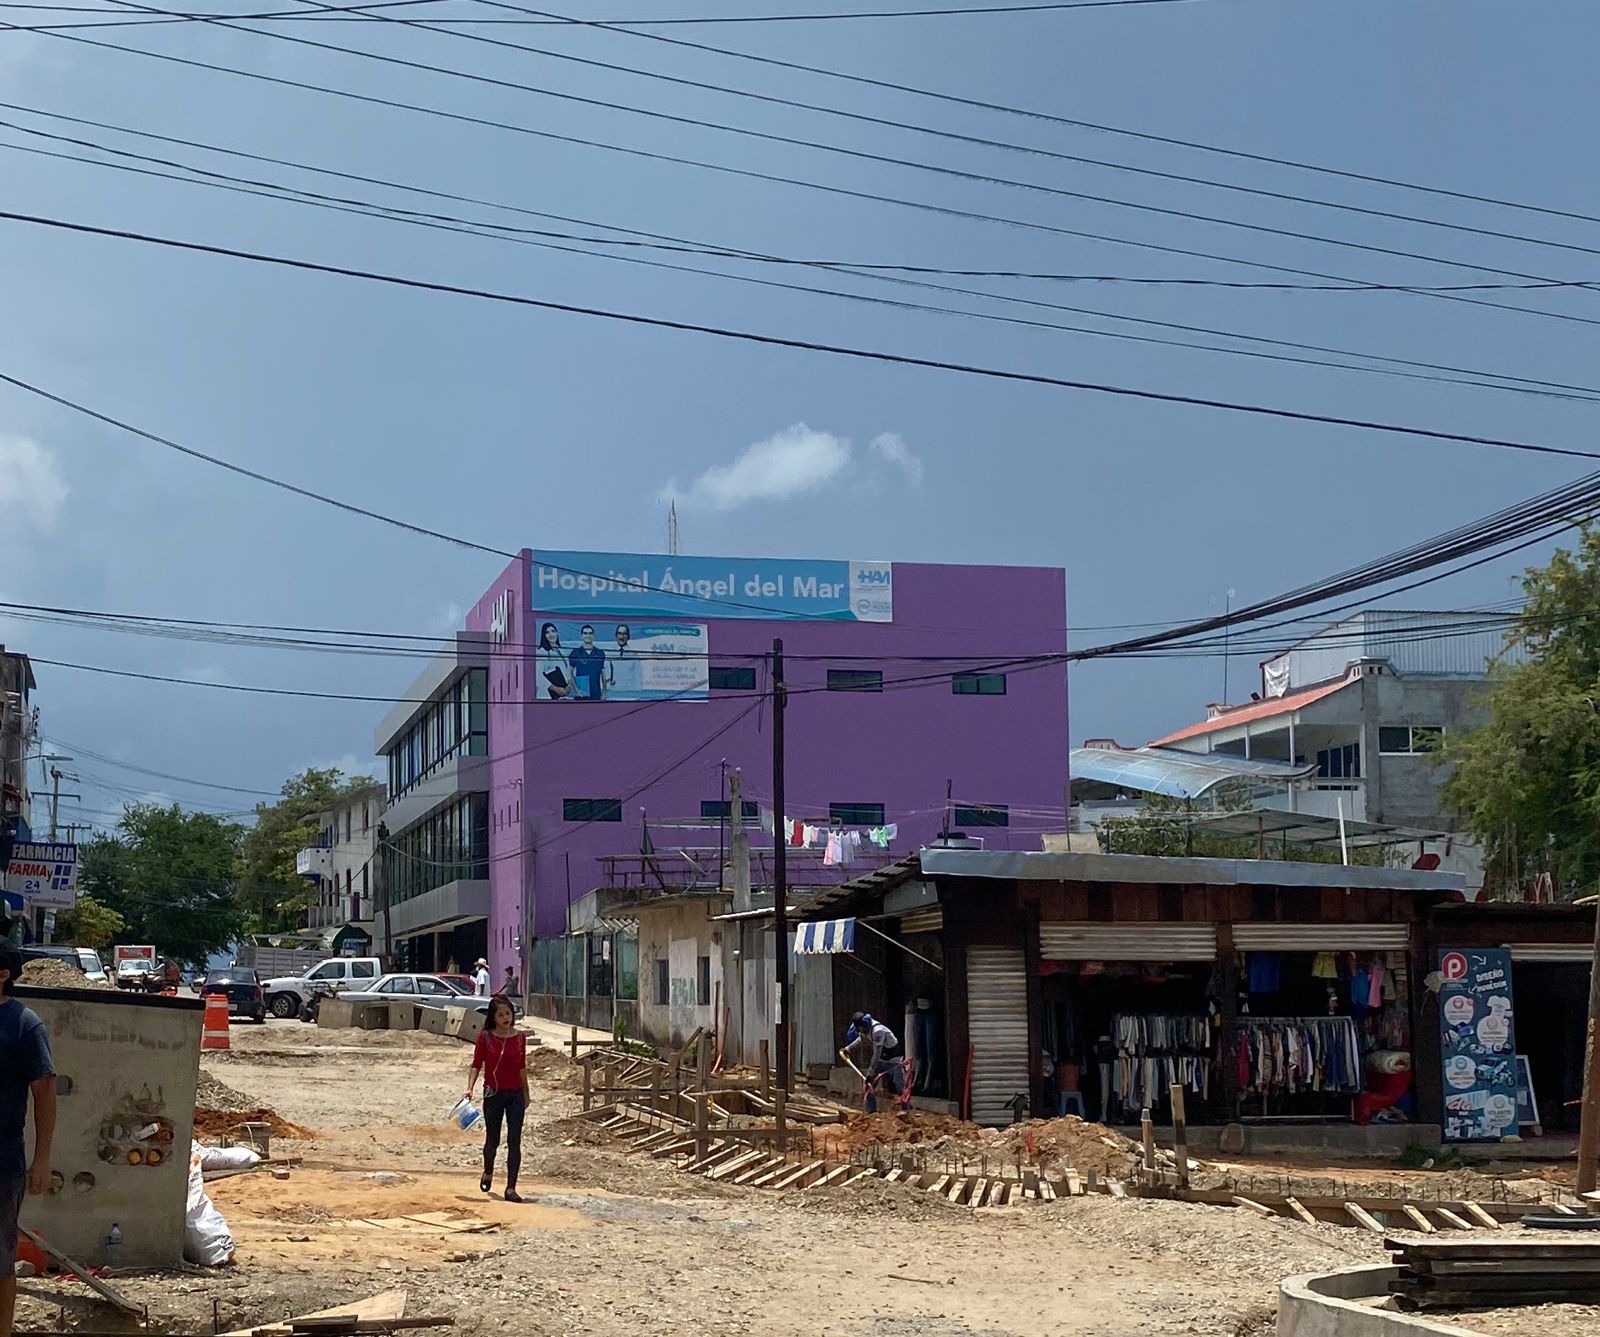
{"points": [[242, 989]]}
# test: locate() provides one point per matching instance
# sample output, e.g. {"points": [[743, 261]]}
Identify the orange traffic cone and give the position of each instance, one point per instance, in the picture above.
{"points": [[214, 1029]]}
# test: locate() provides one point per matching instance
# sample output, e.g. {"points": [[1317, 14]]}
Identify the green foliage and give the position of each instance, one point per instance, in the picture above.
{"points": [[169, 876], [89, 923], [1166, 828], [273, 892], [1527, 782]]}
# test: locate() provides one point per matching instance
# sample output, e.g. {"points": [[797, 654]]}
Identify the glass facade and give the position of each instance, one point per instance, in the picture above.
{"points": [[451, 845], [457, 724]]}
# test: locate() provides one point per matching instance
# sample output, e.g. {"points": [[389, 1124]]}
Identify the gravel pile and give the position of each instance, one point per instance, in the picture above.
{"points": [[48, 973], [211, 1094]]}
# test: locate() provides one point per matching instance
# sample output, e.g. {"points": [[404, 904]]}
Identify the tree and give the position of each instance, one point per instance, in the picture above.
{"points": [[1526, 783], [273, 893], [89, 923], [170, 876]]}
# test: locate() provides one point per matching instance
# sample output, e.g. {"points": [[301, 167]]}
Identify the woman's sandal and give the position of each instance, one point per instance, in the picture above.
{"points": [[484, 1183]]}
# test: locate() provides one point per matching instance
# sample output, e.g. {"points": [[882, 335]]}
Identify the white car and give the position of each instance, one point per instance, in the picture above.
{"points": [[287, 995], [429, 990], [133, 972]]}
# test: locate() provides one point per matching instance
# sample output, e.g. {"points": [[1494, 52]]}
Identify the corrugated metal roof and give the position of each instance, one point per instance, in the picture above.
{"points": [[1154, 770], [1231, 716]]}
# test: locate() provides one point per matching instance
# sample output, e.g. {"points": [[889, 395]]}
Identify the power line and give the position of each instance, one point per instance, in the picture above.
{"points": [[795, 141], [527, 236], [752, 174], [745, 336]]}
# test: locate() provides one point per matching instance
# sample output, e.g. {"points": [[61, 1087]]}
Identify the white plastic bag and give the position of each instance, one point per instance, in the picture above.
{"points": [[465, 1115], [229, 1158], [206, 1240]]}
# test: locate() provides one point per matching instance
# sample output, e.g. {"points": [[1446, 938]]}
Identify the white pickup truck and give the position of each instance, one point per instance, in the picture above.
{"points": [[287, 995]]}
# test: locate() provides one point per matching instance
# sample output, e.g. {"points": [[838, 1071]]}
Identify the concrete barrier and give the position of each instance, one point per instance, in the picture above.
{"points": [[1328, 1304]]}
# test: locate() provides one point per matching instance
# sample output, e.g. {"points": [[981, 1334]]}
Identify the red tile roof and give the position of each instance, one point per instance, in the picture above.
{"points": [[1256, 710]]}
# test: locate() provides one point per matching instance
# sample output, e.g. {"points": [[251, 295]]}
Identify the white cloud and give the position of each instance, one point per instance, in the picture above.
{"points": [[788, 464], [891, 447], [31, 488]]}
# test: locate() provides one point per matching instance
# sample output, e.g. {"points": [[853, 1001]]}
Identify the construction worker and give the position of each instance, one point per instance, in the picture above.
{"points": [[872, 1049]]}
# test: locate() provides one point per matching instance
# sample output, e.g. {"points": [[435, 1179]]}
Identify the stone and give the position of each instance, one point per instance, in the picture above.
{"points": [[1233, 1140]]}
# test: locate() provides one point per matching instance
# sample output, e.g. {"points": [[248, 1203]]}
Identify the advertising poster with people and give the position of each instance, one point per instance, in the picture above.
{"points": [[622, 661], [1478, 1044]]}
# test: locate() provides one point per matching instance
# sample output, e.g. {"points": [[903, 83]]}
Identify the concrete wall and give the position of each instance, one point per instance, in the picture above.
{"points": [[122, 1061], [679, 934], [1329, 1305]]}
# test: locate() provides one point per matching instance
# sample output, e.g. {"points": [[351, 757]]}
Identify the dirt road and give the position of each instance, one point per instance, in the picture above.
{"points": [[612, 1244]]}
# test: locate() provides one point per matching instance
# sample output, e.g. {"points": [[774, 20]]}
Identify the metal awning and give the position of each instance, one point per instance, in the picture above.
{"points": [[1165, 770], [825, 937], [1301, 828]]}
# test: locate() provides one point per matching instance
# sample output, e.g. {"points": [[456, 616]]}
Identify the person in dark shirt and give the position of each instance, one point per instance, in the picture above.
{"points": [[589, 667], [25, 1068]]}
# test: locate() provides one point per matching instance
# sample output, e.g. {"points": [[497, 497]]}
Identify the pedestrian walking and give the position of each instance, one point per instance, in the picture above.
{"points": [[501, 1054], [480, 978], [26, 1068]]}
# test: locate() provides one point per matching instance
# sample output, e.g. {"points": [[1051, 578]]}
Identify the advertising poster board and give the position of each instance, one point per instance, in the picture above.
{"points": [[640, 660], [1477, 1025]]}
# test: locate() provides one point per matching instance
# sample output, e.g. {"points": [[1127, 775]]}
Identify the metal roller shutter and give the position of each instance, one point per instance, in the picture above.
{"points": [[1128, 942], [1550, 953], [997, 1020], [923, 921], [1321, 937]]}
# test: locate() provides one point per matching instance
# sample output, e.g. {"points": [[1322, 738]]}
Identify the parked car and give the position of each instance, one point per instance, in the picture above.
{"points": [[85, 959], [430, 990], [134, 972], [242, 990], [465, 984], [288, 994]]}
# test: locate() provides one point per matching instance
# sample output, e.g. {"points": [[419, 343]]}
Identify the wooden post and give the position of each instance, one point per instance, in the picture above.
{"points": [[780, 1100], [766, 1070], [587, 1079], [1147, 1132], [1180, 1135], [702, 1117], [655, 1086], [574, 1044]]}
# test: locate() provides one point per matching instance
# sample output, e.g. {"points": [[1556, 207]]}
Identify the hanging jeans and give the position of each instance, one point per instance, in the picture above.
{"points": [[506, 1107]]}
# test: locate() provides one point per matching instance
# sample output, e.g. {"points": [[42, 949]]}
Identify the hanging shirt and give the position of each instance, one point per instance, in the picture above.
{"points": [[1265, 972], [835, 850]]}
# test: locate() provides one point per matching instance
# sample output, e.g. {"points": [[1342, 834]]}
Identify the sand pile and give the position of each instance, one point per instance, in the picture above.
{"points": [[216, 1124], [1071, 1141], [47, 972]]}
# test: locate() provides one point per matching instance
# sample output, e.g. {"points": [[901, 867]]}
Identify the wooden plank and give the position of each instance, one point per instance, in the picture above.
{"points": [[1299, 1209], [1480, 1249], [100, 1288], [716, 1154], [940, 1184], [1251, 1205], [1115, 1188], [764, 1166], [673, 1148], [775, 1171], [1480, 1216], [736, 1163], [959, 1187], [835, 1176], [1363, 1217], [1451, 1219], [1561, 1209], [385, 1306], [857, 1177], [1419, 1220], [1074, 1184], [655, 1140], [804, 1172], [1047, 1190]]}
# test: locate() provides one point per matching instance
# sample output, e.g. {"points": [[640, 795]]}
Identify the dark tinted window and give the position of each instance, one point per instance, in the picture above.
{"points": [[733, 679], [978, 684], [987, 814], [1394, 739], [591, 809], [710, 807], [855, 680], [856, 814], [232, 977]]}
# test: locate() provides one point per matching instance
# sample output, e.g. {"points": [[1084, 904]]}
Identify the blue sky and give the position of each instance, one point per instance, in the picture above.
{"points": [[523, 427]]}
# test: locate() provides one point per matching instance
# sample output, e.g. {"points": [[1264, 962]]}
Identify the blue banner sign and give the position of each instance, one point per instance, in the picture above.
{"points": [[627, 584], [1477, 1028]]}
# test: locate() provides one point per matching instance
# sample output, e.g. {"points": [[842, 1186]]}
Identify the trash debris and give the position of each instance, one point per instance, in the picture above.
{"points": [[206, 1239]]}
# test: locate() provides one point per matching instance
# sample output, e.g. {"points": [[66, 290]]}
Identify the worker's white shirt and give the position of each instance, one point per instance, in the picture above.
{"points": [[481, 980]]}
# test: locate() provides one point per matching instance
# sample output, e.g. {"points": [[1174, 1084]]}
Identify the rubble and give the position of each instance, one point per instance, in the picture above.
{"points": [[48, 973]]}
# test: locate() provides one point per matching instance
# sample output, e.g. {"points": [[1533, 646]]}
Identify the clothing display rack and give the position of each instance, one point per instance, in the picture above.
{"points": [[1155, 1051], [1293, 1055]]}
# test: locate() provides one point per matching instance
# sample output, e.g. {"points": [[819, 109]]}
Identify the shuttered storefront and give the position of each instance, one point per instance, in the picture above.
{"points": [[1321, 937], [997, 1011], [1127, 942], [1550, 953]]}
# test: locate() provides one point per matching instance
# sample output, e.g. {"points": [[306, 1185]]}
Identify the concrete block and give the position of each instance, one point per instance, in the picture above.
{"points": [[464, 1024], [370, 1016], [335, 1014], [434, 1020], [402, 1016]]}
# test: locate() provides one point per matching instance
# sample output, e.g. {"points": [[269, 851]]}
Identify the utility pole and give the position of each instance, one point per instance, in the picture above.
{"points": [[382, 889], [1589, 1123], [55, 798], [780, 872]]}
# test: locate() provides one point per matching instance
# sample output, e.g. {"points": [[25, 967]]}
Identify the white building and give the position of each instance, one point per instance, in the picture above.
{"points": [[343, 862]]}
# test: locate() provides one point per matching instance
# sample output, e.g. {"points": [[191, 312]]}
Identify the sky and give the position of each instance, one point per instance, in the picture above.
{"points": [[516, 426]]}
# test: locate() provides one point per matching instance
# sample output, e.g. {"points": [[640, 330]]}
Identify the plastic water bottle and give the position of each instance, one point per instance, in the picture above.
{"points": [[113, 1245]]}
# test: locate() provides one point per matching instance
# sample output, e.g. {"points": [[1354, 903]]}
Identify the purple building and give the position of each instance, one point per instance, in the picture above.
{"points": [[585, 732]]}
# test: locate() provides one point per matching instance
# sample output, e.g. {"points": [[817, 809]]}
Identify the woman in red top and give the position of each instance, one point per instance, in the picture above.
{"points": [[501, 1054]]}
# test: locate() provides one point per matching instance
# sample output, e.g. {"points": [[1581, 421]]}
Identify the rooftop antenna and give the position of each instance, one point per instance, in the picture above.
{"points": [[672, 529]]}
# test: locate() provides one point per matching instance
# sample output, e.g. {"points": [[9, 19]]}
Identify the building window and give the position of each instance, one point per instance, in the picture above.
{"points": [[1409, 740], [663, 983], [733, 679], [982, 814], [363, 882], [702, 981], [366, 818], [456, 723], [347, 815], [978, 684], [591, 810], [710, 807], [856, 814], [855, 680], [1339, 763]]}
